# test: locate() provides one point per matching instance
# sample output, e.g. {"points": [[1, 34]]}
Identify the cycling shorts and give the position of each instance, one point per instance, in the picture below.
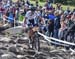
{"points": [[32, 23]]}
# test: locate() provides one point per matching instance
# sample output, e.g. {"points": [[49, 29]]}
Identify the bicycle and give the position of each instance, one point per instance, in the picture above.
{"points": [[34, 41]]}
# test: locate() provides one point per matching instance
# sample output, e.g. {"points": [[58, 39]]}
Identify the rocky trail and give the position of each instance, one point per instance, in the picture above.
{"points": [[17, 48]]}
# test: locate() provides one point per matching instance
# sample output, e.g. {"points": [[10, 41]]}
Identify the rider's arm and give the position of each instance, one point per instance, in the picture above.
{"points": [[24, 21], [40, 18]]}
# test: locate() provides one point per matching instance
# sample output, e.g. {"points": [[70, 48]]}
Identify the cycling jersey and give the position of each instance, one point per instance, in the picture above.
{"points": [[31, 19]]}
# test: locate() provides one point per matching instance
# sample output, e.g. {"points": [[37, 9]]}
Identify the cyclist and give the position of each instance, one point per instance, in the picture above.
{"points": [[31, 20]]}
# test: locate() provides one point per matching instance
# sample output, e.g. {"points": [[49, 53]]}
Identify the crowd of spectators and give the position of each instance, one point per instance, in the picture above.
{"points": [[53, 21]]}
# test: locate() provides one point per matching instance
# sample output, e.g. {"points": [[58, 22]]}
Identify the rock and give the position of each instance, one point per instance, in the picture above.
{"points": [[16, 48], [13, 49], [21, 57], [30, 57], [22, 41], [1, 52], [40, 56], [4, 51], [8, 56], [12, 41], [21, 52], [5, 39], [31, 52], [45, 49], [5, 55], [13, 37], [3, 48]]}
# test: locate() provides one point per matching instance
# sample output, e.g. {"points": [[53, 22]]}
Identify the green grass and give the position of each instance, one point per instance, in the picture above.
{"points": [[14, 0], [40, 3], [63, 6]]}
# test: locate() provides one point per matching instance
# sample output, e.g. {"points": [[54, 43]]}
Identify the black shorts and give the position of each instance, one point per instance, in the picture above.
{"points": [[31, 22]]}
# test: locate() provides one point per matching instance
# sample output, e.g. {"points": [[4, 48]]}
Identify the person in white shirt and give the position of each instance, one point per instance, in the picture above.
{"points": [[31, 17]]}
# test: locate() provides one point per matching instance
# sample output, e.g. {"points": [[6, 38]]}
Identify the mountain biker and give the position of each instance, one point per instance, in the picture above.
{"points": [[31, 20], [31, 17]]}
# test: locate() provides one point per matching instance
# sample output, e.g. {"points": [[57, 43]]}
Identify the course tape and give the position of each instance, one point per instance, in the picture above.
{"points": [[58, 40]]}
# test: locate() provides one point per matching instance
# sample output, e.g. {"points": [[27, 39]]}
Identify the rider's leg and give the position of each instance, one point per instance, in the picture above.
{"points": [[30, 38], [37, 42]]}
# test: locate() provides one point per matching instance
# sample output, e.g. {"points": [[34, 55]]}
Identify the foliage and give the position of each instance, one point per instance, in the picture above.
{"points": [[65, 2]]}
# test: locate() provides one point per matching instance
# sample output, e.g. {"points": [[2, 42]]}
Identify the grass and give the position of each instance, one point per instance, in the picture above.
{"points": [[63, 6], [14, 0]]}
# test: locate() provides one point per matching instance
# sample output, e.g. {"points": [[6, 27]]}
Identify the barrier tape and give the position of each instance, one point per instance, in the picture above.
{"points": [[58, 40]]}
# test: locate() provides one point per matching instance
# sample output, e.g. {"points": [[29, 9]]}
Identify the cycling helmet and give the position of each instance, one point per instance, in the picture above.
{"points": [[33, 8]]}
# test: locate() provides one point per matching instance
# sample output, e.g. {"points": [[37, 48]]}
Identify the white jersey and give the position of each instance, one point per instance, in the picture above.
{"points": [[30, 16]]}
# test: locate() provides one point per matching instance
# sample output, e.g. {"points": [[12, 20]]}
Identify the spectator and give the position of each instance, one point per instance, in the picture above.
{"points": [[56, 24], [62, 29], [73, 17], [10, 17], [50, 28]]}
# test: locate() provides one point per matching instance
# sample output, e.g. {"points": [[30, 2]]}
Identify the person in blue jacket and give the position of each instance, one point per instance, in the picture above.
{"points": [[10, 17], [51, 18]]}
